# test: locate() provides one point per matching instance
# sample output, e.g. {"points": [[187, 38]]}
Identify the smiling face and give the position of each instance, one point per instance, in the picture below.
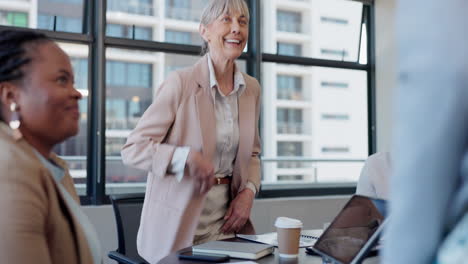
{"points": [[227, 35], [47, 99]]}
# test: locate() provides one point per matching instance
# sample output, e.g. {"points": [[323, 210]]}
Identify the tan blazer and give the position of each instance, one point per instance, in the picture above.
{"points": [[36, 225], [182, 114]]}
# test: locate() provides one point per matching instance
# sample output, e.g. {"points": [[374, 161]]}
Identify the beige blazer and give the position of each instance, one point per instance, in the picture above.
{"points": [[182, 114], [36, 226]]}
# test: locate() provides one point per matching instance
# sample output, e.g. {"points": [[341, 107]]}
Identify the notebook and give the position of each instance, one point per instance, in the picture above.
{"points": [[353, 232], [308, 238], [234, 249]]}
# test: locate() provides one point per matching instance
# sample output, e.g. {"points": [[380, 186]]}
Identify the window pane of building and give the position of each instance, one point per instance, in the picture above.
{"points": [[174, 21], [324, 29], [74, 150], [185, 10], [59, 15], [314, 113], [131, 32], [131, 79], [183, 37], [13, 18], [135, 7], [289, 49]]}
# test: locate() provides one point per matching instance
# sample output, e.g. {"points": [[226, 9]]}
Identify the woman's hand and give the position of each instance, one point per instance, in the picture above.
{"points": [[238, 212], [201, 170]]}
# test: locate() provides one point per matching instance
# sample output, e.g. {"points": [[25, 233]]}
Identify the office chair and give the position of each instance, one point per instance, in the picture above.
{"points": [[127, 210]]}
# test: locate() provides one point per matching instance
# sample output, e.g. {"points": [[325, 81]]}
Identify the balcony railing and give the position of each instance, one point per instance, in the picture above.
{"points": [[290, 128], [183, 14]]}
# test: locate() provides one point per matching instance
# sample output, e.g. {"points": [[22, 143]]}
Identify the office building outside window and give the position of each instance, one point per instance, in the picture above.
{"points": [[289, 49], [137, 7], [309, 115], [288, 21], [314, 123], [11, 18]]}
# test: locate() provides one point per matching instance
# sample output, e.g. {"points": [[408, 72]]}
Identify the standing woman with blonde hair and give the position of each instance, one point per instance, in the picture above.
{"points": [[199, 142]]}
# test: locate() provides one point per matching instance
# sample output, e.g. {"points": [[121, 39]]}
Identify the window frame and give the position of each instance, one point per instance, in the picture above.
{"points": [[94, 37]]}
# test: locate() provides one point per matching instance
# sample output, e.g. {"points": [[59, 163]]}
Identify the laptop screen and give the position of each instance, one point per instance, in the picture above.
{"points": [[349, 232]]}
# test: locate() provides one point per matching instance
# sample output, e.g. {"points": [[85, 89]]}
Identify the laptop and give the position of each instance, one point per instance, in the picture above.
{"points": [[354, 232]]}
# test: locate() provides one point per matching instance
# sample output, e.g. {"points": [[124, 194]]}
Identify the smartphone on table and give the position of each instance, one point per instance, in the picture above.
{"points": [[189, 255]]}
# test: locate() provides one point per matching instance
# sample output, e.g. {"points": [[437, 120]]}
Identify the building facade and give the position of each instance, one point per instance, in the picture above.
{"points": [[314, 119]]}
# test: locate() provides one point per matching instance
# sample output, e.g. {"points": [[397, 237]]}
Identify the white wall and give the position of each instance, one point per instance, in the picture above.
{"points": [[314, 211]]}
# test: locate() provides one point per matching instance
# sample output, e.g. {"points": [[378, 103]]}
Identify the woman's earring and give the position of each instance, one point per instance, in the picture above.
{"points": [[15, 120]]}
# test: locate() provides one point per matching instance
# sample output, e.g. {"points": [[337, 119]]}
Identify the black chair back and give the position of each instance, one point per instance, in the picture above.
{"points": [[127, 210]]}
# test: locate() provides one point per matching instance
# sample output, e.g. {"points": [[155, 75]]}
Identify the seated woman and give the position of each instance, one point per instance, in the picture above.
{"points": [[375, 174], [41, 220]]}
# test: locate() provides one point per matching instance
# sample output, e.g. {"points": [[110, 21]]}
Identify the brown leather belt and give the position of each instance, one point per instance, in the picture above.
{"points": [[225, 180]]}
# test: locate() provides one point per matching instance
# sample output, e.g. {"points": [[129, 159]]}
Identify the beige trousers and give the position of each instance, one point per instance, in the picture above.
{"points": [[212, 216]]}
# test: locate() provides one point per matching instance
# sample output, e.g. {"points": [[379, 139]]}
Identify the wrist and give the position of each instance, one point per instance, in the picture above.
{"points": [[249, 192]]}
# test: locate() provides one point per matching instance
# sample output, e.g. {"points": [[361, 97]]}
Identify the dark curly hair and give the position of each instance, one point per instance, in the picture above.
{"points": [[13, 53]]}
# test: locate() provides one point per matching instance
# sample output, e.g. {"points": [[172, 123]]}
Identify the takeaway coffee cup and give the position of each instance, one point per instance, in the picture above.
{"points": [[289, 232]]}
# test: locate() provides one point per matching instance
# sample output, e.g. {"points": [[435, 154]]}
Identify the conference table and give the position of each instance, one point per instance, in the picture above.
{"points": [[303, 258]]}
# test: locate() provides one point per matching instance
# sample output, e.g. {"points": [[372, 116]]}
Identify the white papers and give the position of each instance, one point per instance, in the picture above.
{"points": [[308, 238]]}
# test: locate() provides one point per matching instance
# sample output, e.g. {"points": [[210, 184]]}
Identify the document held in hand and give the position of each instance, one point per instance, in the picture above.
{"points": [[235, 249]]}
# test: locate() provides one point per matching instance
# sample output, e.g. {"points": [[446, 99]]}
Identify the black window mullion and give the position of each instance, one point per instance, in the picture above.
{"points": [[96, 136], [370, 29], [254, 59]]}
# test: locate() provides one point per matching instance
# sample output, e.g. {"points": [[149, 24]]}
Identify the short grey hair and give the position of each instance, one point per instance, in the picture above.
{"points": [[216, 8]]}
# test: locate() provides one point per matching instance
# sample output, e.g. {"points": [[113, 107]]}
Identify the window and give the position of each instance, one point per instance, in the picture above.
{"points": [[290, 177], [11, 18], [332, 84], [188, 10], [289, 121], [178, 37], [127, 31], [334, 53], [309, 123], [74, 150], [305, 106], [128, 75], [335, 116], [335, 149], [334, 26], [40, 14], [289, 87], [67, 24], [138, 7], [334, 20], [289, 49], [289, 149], [288, 21]]}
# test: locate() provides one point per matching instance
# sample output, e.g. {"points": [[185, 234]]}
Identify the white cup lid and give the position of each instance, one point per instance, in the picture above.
{"points": [[286, 222]]}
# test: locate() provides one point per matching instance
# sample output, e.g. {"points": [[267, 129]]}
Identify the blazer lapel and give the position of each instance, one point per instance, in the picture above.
{"points": [[205, 108]]}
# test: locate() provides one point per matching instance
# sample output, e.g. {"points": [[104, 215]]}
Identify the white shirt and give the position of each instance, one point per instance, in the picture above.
{"points": [[227, 129], [374, 179]]}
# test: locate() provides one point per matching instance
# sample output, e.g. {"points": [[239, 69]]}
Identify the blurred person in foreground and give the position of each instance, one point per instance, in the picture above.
{"points": [[40, 216], [429, 187], [199, 142]]}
